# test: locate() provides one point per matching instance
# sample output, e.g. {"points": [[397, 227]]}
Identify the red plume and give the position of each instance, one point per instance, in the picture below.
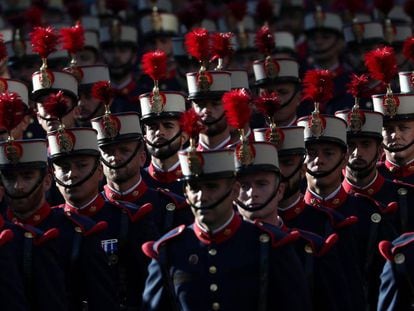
{"points": [[116, 6], [265, 40], [264, 10], [154, 64], [382, 64], [73, 38], [409, 8], [408, 48], [268, 103], [12, 110], [385, 6], [103, 91], [44, 41], [190, 123], [197, 43], [221, 45], [238, 9], [318, 85], [359, 86], [56, 105], [3, 49], [236, 104]]}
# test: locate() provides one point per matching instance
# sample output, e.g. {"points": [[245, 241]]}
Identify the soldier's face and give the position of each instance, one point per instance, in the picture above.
{"points": [[25, 188], [208, 192], [86, 57], [211, 113], [120, 153], [119, 60], [324, 45], [89, 107], [398, 134], [255, 190], [74, 169], [363, 155], [50, 123], [158, 133], [322, 158], [292, 166]]}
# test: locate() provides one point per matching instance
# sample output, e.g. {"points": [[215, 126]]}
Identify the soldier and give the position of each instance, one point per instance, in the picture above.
{"points": [[161, 111], [123, 156], [208, 247]]}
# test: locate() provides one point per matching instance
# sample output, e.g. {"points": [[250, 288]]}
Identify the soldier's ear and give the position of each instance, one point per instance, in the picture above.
{"points": [[47, 181], [280, 191], [184, 138]]}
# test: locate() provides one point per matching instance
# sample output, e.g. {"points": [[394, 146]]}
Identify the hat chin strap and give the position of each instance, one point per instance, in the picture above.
{"points": [[91, 115], [290, 99], [34, 188], [261, 206], [80, 182], [210, 206], [115, 167], [324, 174], [397, 149], [285, 179], [163, 144], [214, 122]]}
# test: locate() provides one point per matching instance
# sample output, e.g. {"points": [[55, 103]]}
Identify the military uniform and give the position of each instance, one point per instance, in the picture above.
{"points": [[156, 178]]}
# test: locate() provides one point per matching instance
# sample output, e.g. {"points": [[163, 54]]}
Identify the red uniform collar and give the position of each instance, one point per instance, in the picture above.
{"points": [[375, 186], [132, 196], [163, 176], [35, 219], [218, 237], [334, 202], [91, 209], [293, 211], [400, 171]]}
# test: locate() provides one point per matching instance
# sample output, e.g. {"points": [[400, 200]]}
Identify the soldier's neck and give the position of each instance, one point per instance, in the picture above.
{"points": [[358, 181], [326, 190], [165, 164], [218, 141], [286, 203], [127, 186], [397, 160], [84, 202], [28, 214], [121, 82]]}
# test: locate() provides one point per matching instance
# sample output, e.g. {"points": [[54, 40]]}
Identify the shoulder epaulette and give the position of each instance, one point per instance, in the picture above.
{"points": [[390, 250], [278, 237], [84, 224], [6, 236], [400, 183], [39, 237], [337, 220], [151, 249], [317, 245], [49, 235], [175, 199], [390, 208], [134, 211]]}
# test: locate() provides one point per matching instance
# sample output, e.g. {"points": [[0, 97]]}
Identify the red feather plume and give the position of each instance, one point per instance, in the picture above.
{"points": [[408, 48], [3, 49], [238, 9], [197, 43], [154, 64], [12, 110], [190, 123], [56, 105], [268, 103], [264, 10], [359, 86], [409, 8], [103, 91], [221, 45], [385, 6], [44, 40], [318, 85], [382, 64], [265, 41], [236, 104], [73, 38]]}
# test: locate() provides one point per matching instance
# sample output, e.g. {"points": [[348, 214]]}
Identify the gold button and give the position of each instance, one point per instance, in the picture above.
{"points": [[264, 238], [28, 235], [29, 134], [215, 306], [308, 249], [212, 252], [402, 191], [36, 217], [78, 229], [213, 287], [92, 208], [170, 207], [135, 193], [376, 218], [313, 201], [411, 168], [336, 201], [212, 269], [227, 232], [399, 258], [370, 191], [297, 210]]}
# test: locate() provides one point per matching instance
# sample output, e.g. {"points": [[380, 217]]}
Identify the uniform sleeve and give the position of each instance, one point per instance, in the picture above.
{"points": [[388, 296]]}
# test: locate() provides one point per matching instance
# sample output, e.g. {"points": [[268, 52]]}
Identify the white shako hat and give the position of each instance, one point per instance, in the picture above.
{"points": [[15, 86], [323, 128], [92, 74], [207, 164], [288, 140], [239, 79], [401, 32], [115, 128], [362, 123], [263, 156], [398, 107], [172, 107], [22, 153], [323, 20], [159, 24], [90, 23], [364, 32], [118, 33], [47, 82], [406, 79], [217, 83], [284, 42], [283, 70], [73, 141], [91, 39]]}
